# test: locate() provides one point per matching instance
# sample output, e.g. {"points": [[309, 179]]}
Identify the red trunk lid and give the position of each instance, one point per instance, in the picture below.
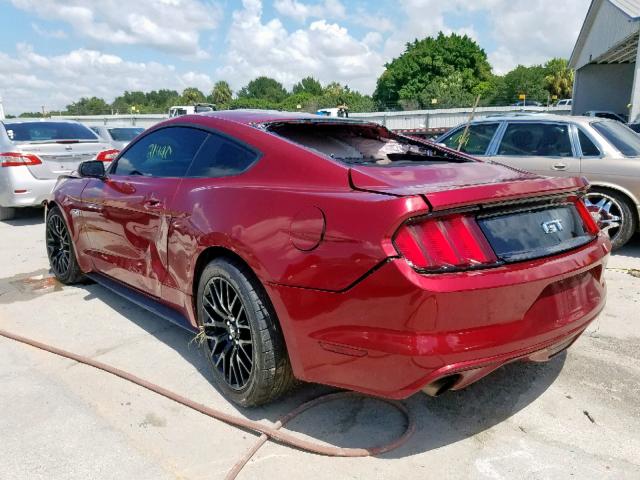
{"points": [[458, 184]]}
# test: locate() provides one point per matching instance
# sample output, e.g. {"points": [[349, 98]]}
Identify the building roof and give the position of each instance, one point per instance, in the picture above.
{"points": [[608, 34], [630, 8]]}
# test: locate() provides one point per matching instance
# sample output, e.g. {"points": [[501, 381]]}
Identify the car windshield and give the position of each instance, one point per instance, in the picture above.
{"points": [[360, 143], [620, 136], [48, 131], [125, 134]]}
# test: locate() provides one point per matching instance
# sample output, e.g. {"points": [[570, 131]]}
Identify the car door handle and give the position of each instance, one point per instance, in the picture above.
{"points": [[560, 166], [153, 203]]}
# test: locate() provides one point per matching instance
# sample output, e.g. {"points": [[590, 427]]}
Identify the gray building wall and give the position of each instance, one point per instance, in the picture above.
{"points": [[603, 87]]}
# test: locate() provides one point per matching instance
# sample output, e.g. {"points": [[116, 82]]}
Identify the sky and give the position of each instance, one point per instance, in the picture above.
{"points": [[52, 52]]}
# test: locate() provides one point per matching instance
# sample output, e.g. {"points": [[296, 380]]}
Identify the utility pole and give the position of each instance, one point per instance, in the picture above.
{"points": [[1, 109]]}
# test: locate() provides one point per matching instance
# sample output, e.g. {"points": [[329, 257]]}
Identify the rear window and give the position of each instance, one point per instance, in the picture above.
{"points": [[476, 141], [360, 143], [125, 134], [625, 140], [46, 131], [536, 139]]}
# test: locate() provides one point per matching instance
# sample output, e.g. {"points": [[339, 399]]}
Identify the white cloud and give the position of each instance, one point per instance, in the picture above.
{"points": [[28, 80], [324, 50], [518, 32], [43, 32], [300, 11], [533, 32], [378, 22], [524, 32], [168, 25]]}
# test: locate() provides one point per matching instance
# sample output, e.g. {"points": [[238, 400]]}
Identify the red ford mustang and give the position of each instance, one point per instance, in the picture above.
{"points": [[333, 251]]}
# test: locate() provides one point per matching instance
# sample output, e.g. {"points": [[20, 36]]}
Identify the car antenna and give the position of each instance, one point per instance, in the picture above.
{"points": [[465, 133]]}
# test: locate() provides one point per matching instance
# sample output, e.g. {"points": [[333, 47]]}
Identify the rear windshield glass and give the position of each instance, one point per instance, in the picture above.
{"points": [[125, 134], [360, 144], [620, 136], [44, 131]]}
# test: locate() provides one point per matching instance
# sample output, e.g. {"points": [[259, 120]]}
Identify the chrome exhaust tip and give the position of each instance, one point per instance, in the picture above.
{"points": [[441, 385]]}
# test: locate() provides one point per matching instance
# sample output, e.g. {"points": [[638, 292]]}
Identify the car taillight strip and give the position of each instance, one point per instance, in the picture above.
{"points": [[18, 159], [585, 215], [441, 244]]}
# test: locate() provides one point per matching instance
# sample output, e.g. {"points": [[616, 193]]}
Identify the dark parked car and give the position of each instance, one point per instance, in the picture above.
{"points": [[333, 251]]}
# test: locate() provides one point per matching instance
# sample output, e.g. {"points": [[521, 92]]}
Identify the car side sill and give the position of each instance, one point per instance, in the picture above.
{"points": [[142, 300]]}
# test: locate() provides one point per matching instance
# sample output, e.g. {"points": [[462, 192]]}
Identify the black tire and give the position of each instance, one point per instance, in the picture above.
{"points": [[620, 206], [7, 213], [60, 250], [226, 331]]}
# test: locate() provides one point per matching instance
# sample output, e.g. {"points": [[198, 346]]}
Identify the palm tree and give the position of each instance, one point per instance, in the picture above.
{"points": [[192, 95], [559, 78], [221, 93]]}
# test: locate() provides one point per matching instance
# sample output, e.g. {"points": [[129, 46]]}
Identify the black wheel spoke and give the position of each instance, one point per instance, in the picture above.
{"points": [[227, 332]]}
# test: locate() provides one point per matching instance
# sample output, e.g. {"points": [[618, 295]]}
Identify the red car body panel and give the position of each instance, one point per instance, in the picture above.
{"points": [[318, 235]]}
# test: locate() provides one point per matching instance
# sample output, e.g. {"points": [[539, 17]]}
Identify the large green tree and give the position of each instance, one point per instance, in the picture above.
{"points": [[528, 81], [443, 60], [308, 85], [89, 106], [263, 88], [155, 101]]}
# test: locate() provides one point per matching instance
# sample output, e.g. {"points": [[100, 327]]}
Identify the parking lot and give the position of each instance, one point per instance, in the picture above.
{"points": [[577, 416]]}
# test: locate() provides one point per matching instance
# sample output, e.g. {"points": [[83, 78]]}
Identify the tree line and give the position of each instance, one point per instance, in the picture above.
{"points": [[436, 72]]}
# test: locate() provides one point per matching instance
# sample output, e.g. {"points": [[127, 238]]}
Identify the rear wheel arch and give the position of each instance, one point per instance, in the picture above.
{"points": [[50, 205], [214, 252]]}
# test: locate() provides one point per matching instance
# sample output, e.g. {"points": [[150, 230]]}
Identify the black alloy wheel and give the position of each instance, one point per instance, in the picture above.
{"points": [[60, 249], [240, 334], [58, 246], [227, 332]]}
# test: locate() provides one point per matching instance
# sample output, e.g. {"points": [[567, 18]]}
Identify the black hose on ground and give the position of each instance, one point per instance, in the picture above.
{"points": [[266, 432]]}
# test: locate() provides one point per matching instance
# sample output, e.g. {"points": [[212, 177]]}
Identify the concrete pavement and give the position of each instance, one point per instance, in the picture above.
{"points": [[576, 417]]}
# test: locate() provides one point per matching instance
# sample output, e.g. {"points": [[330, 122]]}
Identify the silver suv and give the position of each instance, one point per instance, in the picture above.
{"points": [[607, 152], [34, 153]]}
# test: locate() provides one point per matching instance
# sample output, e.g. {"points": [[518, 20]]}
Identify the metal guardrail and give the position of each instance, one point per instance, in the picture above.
{"points": [[439, 119], [436, 120]]}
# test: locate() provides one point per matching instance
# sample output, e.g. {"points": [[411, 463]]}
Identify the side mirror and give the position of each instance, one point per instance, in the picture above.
{"points": [[92, 169]]}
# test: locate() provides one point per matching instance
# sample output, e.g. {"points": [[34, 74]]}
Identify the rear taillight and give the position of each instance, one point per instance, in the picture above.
{"points": [[107, 155], [17, 159], [442, 244], [589, 222]]}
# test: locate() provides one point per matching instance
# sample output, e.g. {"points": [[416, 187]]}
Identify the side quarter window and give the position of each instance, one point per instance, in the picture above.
{"points": [[587, 146], [477, 140], [167, 152], [221, 157]]}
